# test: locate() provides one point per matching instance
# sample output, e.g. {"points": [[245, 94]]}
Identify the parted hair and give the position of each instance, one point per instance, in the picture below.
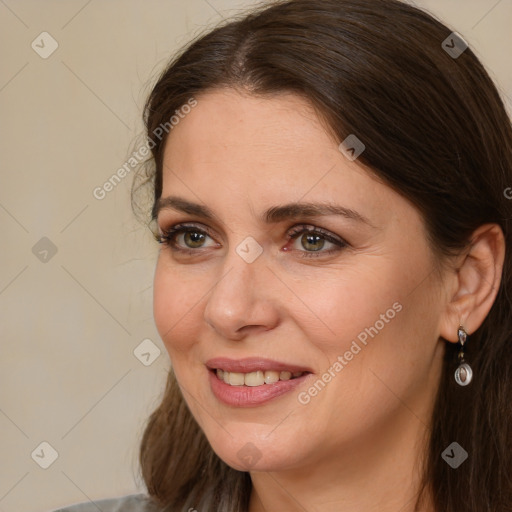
{"points": [[436, 131]]}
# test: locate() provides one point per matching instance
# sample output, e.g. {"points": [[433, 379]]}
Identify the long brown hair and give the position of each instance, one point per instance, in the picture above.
{"points": [[436, 131]]}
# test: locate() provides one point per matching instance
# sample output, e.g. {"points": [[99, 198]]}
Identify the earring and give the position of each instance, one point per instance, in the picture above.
{"points": [[464, 373]]}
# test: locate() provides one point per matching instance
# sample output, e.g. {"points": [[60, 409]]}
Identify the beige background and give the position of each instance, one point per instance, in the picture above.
{"points": [[70, 324]]}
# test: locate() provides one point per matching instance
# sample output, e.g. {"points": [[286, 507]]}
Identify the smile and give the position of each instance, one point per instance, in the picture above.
{"points": [[257, 378]]}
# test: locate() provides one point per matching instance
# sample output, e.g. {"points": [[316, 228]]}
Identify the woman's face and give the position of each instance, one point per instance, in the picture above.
{"points": [[355, 303]]}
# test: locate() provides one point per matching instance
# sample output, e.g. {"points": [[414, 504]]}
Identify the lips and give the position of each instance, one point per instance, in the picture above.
{"points": [[253, 364], [254, 391]]}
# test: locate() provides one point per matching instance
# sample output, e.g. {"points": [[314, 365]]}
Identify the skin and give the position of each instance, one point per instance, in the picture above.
{"points": [[357, 444]]}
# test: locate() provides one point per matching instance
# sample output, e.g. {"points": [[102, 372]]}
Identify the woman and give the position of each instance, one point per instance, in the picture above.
{"points": [[329, 181]]}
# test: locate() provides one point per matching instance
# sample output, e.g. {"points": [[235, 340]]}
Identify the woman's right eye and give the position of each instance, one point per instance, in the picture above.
{"points": [[192, 238]]}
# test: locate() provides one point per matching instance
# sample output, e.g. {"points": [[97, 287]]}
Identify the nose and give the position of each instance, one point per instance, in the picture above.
{"points": [[244, 299]]}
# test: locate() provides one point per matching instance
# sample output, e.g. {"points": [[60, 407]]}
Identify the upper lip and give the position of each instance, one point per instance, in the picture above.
{"points": [[253, 364]]}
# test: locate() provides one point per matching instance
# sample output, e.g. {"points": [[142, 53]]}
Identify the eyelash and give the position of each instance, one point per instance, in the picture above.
{"points": [[168, 238]]}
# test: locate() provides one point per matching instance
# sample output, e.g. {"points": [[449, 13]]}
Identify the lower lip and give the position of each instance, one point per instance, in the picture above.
{"points": [[248, 396]]}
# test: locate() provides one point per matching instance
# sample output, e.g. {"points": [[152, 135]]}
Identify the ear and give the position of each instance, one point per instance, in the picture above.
{"points": [[474, 285]]}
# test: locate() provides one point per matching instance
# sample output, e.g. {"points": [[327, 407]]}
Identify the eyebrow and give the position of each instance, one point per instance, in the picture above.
{"points": [[272, 215]]}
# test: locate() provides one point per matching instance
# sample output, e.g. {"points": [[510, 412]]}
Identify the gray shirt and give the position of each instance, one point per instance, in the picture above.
{"points": [[131, 503]]}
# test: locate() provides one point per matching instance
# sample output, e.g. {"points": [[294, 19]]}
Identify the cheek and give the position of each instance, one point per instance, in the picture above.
{"points": [[384, 330], [369, 317], [174, 303], [346, 303]]}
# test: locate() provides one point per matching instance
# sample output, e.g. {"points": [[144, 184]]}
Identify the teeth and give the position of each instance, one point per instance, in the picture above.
{"points": [[253, 378], [271, 377], [257, 378], [236, 379]]}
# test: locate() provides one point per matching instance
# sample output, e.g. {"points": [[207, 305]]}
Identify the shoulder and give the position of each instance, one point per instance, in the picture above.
{"points": [[131, 503]]}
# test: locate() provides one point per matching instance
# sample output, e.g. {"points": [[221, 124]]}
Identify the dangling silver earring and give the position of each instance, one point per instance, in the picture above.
{"points": [[464, 373]]}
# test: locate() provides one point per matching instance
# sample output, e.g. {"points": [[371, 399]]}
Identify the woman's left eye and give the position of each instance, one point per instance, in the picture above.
{"points": [[312, 239], [315, 239]]}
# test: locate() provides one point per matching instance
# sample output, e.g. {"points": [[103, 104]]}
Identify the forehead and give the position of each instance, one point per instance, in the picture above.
{"points": [[226, 119], [241, 152], [237, 137]]}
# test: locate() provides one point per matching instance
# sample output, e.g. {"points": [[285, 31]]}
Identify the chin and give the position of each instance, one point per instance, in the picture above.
{"points": [[255, 453], [253, 460]]}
